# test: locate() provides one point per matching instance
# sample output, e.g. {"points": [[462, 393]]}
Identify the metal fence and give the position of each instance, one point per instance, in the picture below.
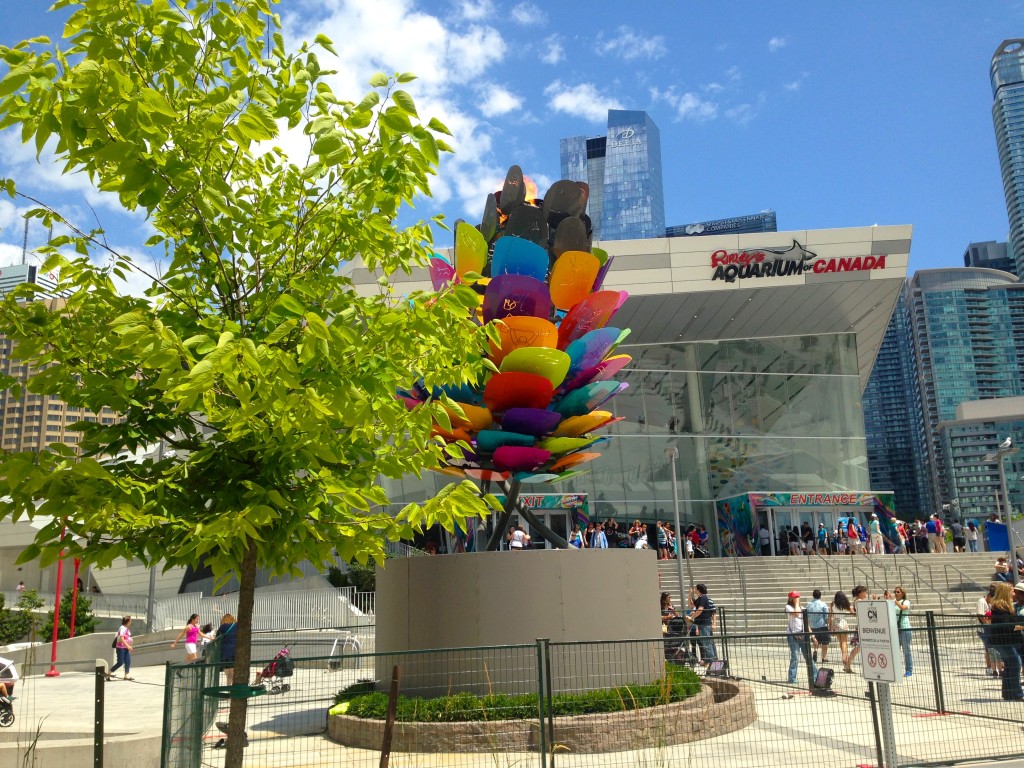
{"points": [[669, 701], [313, 609]]}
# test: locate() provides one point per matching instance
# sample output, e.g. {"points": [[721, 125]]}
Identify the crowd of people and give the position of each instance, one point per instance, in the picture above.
{"points": [[660, 535], [851, 537]]}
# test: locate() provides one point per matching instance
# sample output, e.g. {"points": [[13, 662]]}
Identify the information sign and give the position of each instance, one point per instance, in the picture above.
{"points": [[879, 641]]}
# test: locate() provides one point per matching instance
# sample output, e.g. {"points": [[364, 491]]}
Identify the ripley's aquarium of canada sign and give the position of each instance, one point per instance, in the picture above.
{"points": [[753, 263]]}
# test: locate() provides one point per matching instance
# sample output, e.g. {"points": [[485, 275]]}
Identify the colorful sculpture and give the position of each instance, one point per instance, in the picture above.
{"points": [[540, 281]]}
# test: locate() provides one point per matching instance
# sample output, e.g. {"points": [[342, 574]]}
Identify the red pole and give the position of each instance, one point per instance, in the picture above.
{"points": [[74, 596], [56, 618]]}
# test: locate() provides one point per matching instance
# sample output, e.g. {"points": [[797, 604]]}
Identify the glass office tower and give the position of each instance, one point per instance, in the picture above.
{"points": [[1007, 77], [893, 421], [623, 169]]}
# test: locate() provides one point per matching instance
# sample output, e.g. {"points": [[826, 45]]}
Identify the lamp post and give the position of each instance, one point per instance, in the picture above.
{"points": [[1006, 448], [672, 454]]}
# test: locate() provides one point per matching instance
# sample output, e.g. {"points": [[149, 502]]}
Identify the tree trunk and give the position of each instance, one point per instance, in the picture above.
{"points": [[237, 739]]}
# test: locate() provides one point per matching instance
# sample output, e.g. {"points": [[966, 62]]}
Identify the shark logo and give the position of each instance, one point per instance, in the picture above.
{"points": [[795, 252]]}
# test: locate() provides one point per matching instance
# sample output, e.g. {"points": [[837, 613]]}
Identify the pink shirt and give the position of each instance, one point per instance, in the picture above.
{"points": [[124, 637], [192, 634]]}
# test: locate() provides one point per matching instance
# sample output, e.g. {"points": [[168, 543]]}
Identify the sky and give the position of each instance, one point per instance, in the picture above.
{"points": [[830, 114]]}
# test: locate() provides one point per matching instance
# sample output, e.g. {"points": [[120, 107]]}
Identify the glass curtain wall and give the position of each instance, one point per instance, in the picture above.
{"points": [[780, 414]]}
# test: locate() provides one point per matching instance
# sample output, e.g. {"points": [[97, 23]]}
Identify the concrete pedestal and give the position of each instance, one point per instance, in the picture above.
{"points": [[474, 601]]}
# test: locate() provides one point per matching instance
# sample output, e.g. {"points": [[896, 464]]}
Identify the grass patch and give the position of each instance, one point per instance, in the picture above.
{"points": [[678, 684]]}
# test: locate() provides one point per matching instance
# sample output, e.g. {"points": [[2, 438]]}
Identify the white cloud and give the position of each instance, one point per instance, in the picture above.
{"points": [[581, 100], [688, 105], [474, 10], [498, 100], [733, 73], [629, 45], [554, 52], [528, 14], [9, 254], [797, 84], [776, 43], [445, 53], [746, 112], [714, 88]]}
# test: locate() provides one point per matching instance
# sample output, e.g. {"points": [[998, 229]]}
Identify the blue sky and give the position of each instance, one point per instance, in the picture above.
{"points": [[831, 114]]}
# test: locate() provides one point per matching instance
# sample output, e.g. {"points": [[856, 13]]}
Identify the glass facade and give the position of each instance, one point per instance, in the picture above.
{"points": [[778, 414], [1007, 78], [967, 328], [893, 421], [623, 169], [990, 255], [974, 483]]}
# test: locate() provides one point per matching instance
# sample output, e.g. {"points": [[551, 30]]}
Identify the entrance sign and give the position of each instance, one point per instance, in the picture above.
{"points": [[879, 640]]}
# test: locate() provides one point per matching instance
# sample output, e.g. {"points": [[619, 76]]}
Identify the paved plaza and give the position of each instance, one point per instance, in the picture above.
{"points": [[792, 727]]}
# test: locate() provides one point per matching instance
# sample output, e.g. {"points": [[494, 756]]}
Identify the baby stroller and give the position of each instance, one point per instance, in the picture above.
{"points": [[676, 642], [6, 714], [273, 675]]}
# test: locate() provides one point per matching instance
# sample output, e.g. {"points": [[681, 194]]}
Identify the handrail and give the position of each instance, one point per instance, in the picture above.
{"points": [[829, 567]]}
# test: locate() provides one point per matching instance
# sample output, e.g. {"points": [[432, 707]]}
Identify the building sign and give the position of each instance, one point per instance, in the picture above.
{"points": [[737, 224], [626, 138], [814, 499], [573, 503], [879, 641], [753, 263]]}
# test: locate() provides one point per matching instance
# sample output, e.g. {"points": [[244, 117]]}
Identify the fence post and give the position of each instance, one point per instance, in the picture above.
{"points": [[550, 703], [97, 728], [725, 637], [805, 641], [542, 730], [165, 736], [874, 723], [933, 656]]}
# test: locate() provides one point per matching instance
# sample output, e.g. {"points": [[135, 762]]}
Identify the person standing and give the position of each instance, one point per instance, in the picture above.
{"points": [[817, 617], [703, 618], [972, 536], [903, 628], [860, 592], [796, 638], [764, 540], [576, 537], [21, 586], [191, 633], [875, 546], [123, 648], [227, 638], [983, 611], [959, 541], [1004, 640], [599, 540]]}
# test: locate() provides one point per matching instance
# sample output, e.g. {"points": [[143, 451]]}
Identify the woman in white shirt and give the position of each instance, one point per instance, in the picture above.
{"points": [[796, 638]]}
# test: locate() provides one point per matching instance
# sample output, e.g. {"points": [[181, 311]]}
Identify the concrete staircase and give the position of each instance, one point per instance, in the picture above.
{"points": [[949, 584]]}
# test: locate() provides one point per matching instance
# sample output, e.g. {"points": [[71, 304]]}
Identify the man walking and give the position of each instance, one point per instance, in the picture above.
{"points": [[817, 617], [703, 617]]}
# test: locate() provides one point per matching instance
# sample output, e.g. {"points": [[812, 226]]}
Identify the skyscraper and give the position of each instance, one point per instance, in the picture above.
{"points": [[967, 329], [990, 255], [893, 421], [623, 169], [1007, 77]]}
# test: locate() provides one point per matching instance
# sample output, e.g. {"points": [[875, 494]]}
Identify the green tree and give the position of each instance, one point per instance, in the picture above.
{"points": [[21, 624], [253, 359], [85, 622]]}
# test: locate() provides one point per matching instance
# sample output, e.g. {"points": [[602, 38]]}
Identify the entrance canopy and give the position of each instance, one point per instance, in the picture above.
{"points": [[739, 517]]}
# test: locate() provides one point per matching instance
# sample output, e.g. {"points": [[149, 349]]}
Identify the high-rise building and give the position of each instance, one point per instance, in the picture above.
{"points": [[967, 330], [18, 274], [1007, 77], [893, 422], [970, 444], [31, 421], [623, 169], [990, 255]]}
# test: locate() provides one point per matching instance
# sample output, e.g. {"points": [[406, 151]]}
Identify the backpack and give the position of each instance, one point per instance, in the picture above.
{"points": [[113, 643]]}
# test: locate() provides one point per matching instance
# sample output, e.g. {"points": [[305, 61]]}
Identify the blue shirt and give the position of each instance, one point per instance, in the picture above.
{"points": [[817, 614]]}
